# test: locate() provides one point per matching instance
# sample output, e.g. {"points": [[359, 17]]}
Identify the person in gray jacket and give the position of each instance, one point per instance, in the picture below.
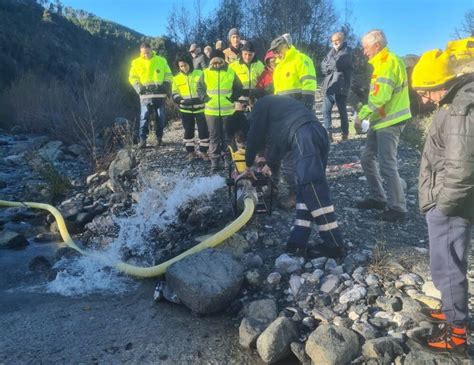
{"points": [[446, 193], [200, 61], [337, 67]]}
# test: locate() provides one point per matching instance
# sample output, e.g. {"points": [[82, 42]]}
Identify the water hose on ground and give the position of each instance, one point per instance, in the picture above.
{"points": [[146, 272]]}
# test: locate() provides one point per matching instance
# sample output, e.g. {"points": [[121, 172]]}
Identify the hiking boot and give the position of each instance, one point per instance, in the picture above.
{"points": [[297, 251], [449, 340], [288, 202], [433, 315], [369, 203], [159, 141], [323, 250], [204, 156], [393, 216]]}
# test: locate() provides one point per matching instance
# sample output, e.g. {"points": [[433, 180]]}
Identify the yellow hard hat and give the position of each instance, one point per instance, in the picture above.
{"points": [[461, 49], [432, 70]]}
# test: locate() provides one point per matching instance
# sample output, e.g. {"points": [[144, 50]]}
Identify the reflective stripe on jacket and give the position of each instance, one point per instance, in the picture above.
{"points": [[219, 85], [295, 74], [389, 102], [185, 86], [151, 72], [248, 74]]}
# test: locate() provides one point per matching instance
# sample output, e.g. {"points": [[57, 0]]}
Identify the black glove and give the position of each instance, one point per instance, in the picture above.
{"points": [[187, 102], [308, 100], [177, 99]]}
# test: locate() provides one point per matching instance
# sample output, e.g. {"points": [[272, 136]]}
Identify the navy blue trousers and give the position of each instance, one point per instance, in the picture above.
{"points": [[449, 244], [309, 152]]}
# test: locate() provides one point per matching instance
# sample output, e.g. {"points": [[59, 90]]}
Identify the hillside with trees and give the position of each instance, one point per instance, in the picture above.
{"points": [[64, 71]]}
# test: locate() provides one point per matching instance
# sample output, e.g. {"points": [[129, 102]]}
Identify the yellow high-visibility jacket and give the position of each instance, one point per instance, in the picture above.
{"points": [[388, 102], [295, 74], [152, 73], [218, 85], [248, 74], [185, 88]]}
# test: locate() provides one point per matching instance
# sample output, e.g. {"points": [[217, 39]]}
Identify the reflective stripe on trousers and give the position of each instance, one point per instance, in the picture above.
{"points": [[190, 121], [313, 199]]}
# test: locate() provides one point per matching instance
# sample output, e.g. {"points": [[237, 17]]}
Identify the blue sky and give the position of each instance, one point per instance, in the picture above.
{"points": [[411, 26]]}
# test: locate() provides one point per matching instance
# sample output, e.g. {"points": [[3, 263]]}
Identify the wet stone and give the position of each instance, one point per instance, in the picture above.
{"points": [[12, 240]]}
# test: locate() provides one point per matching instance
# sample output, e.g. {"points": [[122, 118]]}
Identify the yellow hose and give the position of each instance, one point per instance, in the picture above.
{"points": [[146, 272]]}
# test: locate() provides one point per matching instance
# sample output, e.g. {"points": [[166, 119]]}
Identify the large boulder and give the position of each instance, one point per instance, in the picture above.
{"points": [[274, 343], [123, 163], [12, 240], [332, 345], [207, 281], [121, 167]]}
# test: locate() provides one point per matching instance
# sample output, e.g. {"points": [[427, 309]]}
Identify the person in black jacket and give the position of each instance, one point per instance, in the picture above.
{"points": [[282, 124], [337, 67], [446, 192]]}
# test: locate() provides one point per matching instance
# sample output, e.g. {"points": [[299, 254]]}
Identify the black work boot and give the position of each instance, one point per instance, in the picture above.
{"points": [[393, 216], [369, 203], [297, 250], [325, 250]]}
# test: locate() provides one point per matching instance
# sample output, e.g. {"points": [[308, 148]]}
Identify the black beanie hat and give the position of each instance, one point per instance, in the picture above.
{"points": [[248, 46]]}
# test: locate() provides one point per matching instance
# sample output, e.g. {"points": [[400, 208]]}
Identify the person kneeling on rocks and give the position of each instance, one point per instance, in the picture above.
{"points": [[281, 125], [446, 191]]}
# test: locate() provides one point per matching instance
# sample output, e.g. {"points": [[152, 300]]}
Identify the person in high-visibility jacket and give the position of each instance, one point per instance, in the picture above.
{"points": [[294, 74], [185, 95], [219, 87], [387, 110], [248, 69], [151, 77]]}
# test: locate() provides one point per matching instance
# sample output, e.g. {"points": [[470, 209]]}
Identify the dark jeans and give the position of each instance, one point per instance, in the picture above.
{"points": [[449, 242], [158, 105], [190, 121], [341, 102], [309, 151]]}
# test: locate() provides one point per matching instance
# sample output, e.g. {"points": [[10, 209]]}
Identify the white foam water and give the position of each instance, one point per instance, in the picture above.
{"points": [[157, 207]]}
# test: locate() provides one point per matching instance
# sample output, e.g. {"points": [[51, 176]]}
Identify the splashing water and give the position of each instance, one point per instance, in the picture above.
{"points": [[157, 207]]}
